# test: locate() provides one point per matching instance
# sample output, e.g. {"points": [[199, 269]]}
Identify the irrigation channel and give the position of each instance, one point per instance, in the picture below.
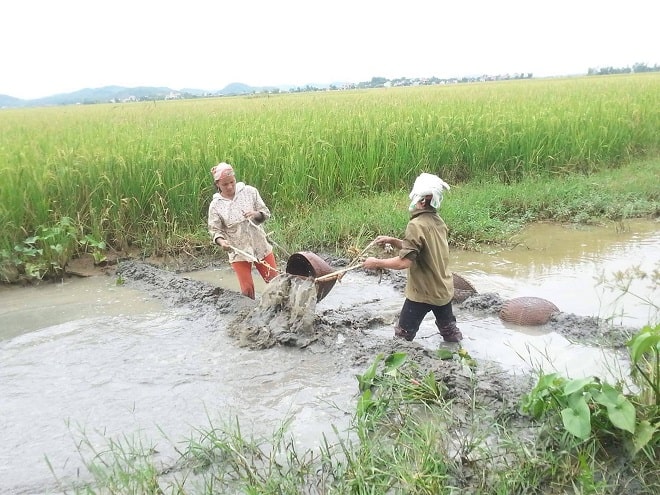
{"points": [[153, 358]]}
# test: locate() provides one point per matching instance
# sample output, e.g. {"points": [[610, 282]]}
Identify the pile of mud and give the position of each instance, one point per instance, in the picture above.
{"points": [[176, 290], [284, 315]]}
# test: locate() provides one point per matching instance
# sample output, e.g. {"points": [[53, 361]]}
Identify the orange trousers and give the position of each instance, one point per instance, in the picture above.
{"points": [[243, 270]]}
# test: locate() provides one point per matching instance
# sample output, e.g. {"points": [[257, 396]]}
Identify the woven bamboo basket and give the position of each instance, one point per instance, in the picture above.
{"points": [[527, 311], [462, 288]]}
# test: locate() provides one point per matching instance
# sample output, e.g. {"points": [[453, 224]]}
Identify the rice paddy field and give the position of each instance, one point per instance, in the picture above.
{"points": [[335, 169], [137, 174]]}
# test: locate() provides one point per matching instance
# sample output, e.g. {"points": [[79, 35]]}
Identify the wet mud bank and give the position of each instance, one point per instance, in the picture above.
{"points": [[352, 336]]}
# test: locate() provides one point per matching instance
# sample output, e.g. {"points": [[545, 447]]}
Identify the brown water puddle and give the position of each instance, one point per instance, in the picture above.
{"points": [[24, 309], [115, 361], [564, 263]]}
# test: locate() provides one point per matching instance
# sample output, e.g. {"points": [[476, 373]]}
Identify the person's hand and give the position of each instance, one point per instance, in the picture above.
{"points": [[252, 215], [223, 244], [371, 263], [383, 239]]}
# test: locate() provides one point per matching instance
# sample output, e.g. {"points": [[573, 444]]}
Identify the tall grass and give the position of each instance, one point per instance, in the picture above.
{"points": [[138, 174]]}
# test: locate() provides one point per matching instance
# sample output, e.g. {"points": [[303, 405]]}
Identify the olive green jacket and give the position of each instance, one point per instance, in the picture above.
{"points": [[425, 243]]}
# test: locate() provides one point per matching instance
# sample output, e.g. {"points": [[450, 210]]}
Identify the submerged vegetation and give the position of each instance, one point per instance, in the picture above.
{"points": [[137, 176]]}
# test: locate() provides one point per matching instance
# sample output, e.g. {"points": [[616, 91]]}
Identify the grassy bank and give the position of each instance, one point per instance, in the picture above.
{"points": [[480, 212]]}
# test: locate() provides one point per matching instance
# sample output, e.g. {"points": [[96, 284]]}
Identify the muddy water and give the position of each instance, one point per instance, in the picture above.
{"points": [[91, 359], [564, 264]]}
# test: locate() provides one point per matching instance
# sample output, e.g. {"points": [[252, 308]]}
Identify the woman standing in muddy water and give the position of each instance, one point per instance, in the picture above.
{"points": [[424, 252], [235, 216]]}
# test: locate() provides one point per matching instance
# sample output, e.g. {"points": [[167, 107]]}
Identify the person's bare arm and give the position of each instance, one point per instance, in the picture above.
{"points": [[394, 263]]}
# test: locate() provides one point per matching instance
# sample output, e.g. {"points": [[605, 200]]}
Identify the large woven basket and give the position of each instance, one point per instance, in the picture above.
{"points": [[527, 311], [462, 288]]}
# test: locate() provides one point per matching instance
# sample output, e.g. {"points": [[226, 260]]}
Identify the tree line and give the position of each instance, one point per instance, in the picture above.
{"points": [[636, 68]]}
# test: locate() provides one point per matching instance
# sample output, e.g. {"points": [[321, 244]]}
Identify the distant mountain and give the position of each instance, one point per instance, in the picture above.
{"points": [[244, 89], [7, 101], [119, 93], [237, 88]]}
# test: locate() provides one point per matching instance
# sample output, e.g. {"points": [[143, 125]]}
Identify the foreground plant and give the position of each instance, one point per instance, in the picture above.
{"points": [[407, 436], [594, 411], [46, 253], [645, 357]]}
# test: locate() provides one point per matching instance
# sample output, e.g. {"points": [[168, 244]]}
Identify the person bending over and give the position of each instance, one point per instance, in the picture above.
{"points": [[235, 219]]}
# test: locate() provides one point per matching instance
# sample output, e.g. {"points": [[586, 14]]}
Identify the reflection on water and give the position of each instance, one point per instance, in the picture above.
{"points": [[565, 263], [23, 309], [114, 361]]}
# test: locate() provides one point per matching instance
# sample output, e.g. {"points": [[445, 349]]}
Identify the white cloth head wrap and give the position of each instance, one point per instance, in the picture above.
{"points": [[222, 170], [427, 185]]}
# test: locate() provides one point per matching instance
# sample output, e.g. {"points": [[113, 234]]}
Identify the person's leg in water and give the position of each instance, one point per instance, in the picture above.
{"points": [[243, 270], [446, 323], [412, 314], [268, 269]]}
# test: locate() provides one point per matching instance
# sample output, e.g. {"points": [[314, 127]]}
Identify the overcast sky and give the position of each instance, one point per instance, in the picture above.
{"points": [[58, 46]]}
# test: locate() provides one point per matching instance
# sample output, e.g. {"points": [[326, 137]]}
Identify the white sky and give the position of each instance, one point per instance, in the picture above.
{"points": [[58, 46]]}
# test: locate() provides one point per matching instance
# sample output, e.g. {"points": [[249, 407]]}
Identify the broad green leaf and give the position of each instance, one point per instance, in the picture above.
{"points": [[394, 360], [577, 418], [643, 342], [623, 415], [548, 380], [608, 395], [643, 435], [366, 380], [579, 384], [619, 409], [365, 402]]}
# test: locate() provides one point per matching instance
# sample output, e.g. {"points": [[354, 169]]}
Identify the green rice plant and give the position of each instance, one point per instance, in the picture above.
{"points": [[139, 173]]}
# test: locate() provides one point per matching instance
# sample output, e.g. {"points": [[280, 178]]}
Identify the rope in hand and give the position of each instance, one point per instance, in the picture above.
{"points": [[254, 259]]}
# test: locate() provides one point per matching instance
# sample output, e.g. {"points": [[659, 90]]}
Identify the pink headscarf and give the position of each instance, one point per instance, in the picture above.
{"points": [[222, 170]]}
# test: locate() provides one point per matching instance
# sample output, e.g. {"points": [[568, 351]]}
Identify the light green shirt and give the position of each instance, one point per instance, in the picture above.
{"points": [[425, 243]]}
